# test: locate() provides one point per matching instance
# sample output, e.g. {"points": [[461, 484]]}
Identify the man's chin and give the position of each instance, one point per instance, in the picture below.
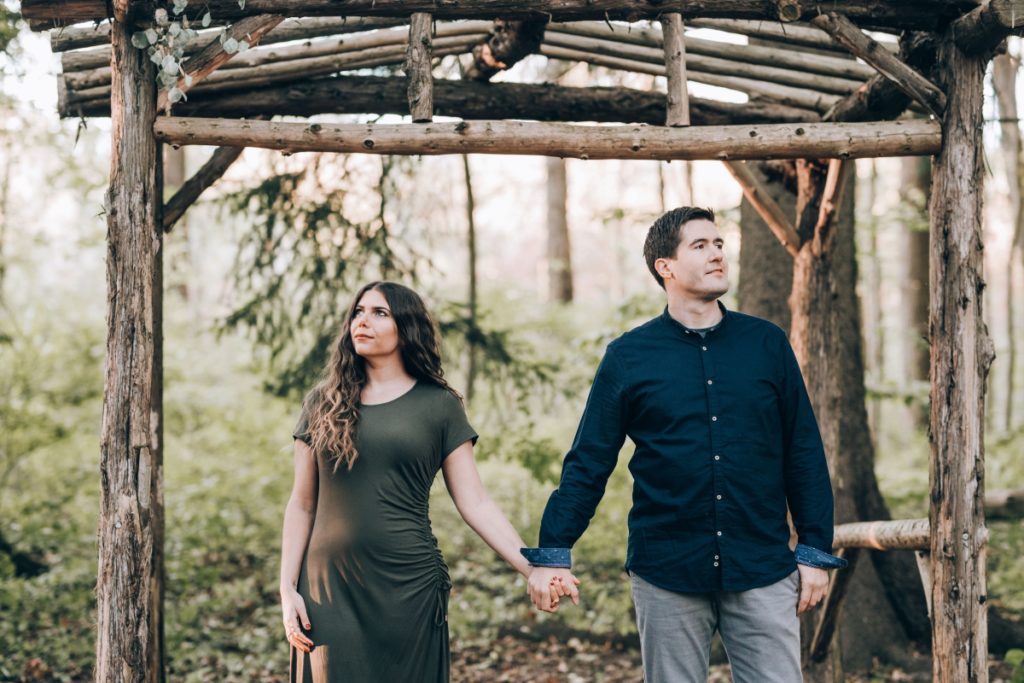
{"points": [[713, 293]]}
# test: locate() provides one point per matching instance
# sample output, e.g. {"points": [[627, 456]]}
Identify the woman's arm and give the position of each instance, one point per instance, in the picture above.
{"points": [[298, 522], [482, 513]]}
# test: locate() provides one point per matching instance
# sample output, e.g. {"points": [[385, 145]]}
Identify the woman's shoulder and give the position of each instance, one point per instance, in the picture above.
{"points": [[438, 394]]}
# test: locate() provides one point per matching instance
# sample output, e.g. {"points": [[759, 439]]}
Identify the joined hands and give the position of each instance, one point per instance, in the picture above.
{"points": [[546, 585]]}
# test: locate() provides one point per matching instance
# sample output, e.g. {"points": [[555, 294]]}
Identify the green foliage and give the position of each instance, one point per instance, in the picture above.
{"points": [[1015, 658], [10, 24], [306, 253]]}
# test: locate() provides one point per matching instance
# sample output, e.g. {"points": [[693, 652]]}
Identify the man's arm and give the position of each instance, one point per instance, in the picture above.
{"points": [[585, 472], [808, 488]]}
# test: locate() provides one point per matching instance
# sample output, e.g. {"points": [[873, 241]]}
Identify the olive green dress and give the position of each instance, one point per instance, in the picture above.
{"points": [[373, 580]]}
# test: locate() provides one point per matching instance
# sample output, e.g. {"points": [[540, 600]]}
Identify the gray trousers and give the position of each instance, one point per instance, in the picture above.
{"points": [[759, 628]]}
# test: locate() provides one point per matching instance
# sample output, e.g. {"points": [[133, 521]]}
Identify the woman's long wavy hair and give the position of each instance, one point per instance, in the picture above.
{"points": [[334, 402]]}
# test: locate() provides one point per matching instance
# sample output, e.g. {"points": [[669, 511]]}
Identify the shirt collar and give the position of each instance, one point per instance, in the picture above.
{"points": [[675, 324]]}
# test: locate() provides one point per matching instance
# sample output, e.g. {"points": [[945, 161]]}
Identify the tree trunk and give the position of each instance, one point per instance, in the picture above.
{"points": [[1004, 82], [826, 336], [915, 186], [130, 580], [559, 254], [766, 270], [961, 353], [471, 360]]}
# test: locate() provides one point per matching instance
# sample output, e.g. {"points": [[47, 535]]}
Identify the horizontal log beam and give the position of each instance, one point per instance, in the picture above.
{"points": [[846, 33], [775, 92], [838, 140], [803, 34], [463, 99], [909, 14], [73, 38], [909, 534], [247, 78]]}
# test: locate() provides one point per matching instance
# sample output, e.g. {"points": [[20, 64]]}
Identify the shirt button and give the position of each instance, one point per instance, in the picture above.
{"points": [[718, 533], [718, 497], [716, 557], [716, 564], [710, 382], [718, 457], [714, 418], [703, 348]]}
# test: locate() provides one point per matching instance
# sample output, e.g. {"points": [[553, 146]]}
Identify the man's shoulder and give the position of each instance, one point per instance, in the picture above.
{"points": [[638, 334], [751, 323]]}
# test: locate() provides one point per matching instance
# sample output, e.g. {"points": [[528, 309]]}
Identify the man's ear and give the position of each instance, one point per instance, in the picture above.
{"points": [[661, 266]]}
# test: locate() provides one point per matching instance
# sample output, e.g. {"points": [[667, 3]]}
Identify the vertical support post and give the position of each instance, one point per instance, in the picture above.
{"points": [[130, 582], [961, 353], [675, 69], [417, 68]]}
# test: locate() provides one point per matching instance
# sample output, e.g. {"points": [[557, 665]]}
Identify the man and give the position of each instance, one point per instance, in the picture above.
{"points": [[725, 437]]}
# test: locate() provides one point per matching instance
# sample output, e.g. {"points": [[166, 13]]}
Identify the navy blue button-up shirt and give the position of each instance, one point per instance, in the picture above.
{"points": [[725, 437]]}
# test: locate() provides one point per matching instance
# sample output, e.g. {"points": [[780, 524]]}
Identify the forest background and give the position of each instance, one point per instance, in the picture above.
{"points": [[257, 279]]}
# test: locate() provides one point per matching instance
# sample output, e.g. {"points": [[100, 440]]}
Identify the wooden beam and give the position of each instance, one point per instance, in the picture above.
{"points": [[924, 569], [896, 138], [910, 534], [506, 43], [288, 71], [678, 113], [981, 30], [879, 98], [910, 14], [189, 192], [463, 99], [93, 60], [130, 577], [1004, 504], [702, 64], [418, 69], [801, 35], [831, 201], [197, 68], [767, 208], [961, 355], [846, 33], [783, 94], [799, 60], [73, 38]]}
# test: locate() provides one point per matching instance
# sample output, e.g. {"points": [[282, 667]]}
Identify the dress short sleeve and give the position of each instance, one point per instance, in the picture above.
{"points": [[456, 429], [301, 430]]}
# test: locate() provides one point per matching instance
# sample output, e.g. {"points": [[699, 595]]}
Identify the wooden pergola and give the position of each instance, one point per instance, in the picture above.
{"points": [[807, 99]]}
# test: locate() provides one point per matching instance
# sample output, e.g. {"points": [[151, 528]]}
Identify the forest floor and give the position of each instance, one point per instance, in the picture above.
{"points": [[510, 659]]}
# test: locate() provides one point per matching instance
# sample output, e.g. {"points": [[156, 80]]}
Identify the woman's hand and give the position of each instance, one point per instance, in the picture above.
{"points": [[545, 585], [293, 609]]}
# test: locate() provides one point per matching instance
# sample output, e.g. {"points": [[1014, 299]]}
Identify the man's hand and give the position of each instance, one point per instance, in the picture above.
{"points": [[813, 584], [546, 584]]}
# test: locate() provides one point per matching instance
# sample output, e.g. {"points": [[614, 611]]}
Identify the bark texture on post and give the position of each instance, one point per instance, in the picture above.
{"points": [[418, 68], [130, 574], [960, 358]]}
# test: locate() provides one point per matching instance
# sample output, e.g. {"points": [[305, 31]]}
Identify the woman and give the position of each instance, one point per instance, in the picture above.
{"points": [[364, 589]]}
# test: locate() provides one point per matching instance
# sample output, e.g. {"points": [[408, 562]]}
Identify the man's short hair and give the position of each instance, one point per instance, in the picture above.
{"points": [[664, 236]]}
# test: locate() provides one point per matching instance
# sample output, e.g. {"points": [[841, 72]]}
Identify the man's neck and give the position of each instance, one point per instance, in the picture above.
{"points": [[695, 314]]}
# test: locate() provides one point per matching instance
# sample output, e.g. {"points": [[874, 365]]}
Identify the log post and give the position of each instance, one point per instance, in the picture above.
{"points": [[417, 67], [129, 589], [961, 353], [675, 70]]}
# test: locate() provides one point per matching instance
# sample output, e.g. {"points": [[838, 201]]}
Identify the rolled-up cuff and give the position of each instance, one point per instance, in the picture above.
{"points": [[812, 557], [548, 557]]}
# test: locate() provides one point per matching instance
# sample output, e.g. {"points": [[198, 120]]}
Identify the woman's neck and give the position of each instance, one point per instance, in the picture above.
{"points": [[382, 372]]}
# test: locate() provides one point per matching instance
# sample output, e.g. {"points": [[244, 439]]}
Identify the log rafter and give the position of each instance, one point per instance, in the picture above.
{"points": [[211, 57], [846, 33], [204, 178]]}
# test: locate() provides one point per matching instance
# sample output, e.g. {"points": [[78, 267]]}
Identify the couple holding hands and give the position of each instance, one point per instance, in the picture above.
{"points": [[725, 442]]}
